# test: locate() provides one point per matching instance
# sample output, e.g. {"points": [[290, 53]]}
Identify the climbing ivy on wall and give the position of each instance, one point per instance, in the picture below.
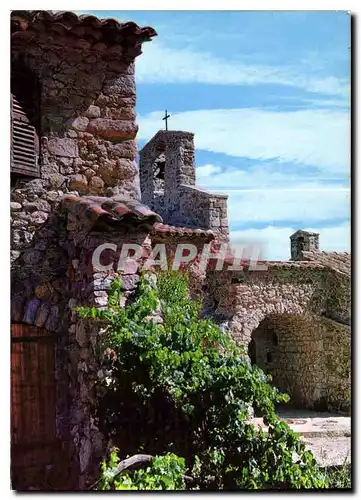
{"points": [[182, 389]]}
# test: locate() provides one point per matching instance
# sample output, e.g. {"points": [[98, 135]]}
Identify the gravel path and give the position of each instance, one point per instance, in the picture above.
{"points": [[330, 451], [327, 435]]}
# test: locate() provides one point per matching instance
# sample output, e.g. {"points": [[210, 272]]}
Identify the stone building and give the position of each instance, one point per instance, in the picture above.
{"points": [[75, 185], [295, 320], [73, 133], [168, 185], [294, 317]]}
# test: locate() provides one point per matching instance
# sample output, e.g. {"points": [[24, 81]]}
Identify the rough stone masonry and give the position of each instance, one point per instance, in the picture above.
{"points": [[83, 70], [294, 318]]}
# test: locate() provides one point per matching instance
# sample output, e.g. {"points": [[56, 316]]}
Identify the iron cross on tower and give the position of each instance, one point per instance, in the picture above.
{"points": [[166, 119]]}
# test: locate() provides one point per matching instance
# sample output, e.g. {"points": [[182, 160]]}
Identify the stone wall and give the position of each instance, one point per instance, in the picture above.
{"points": [[175, 196], [87, 128], [299, 304], [290, 348], [88, 124], [337, 363], [308, 357], [90, 288], [87, 146]]}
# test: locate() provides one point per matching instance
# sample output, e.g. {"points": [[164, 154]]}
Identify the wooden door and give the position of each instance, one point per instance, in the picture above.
{"points": [[34, 446]]}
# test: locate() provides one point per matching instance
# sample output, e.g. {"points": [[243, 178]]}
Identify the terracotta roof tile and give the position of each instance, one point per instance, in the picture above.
{"points": [[113, 30], [165, 230], [251, 265], [93, 209], [340, 261]]}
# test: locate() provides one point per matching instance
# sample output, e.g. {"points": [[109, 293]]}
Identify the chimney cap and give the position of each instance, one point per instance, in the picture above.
{"points": [[301, 232]]}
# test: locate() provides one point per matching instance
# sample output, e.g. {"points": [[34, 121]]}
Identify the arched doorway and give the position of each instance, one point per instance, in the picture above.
{"points": [[290, 349]]}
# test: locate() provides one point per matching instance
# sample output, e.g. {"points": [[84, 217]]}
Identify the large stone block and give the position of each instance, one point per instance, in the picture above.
{"points": [[14, 255], [126, 169], [37, 205], [15, 207], [92, 112], [80, 123], [108, 172], [38, 218], [121, 113], [126, 149], [123, 85], [78, 182], [63, 147], [120, 67], [30, 311], [113, 129]]}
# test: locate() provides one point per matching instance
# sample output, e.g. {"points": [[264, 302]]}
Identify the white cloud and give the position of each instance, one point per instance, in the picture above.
{"points": [[264, 176], [317, 137], [206, 171], [278, 198], [267, 206], [327, 103], [276, 243], [160, 64]]}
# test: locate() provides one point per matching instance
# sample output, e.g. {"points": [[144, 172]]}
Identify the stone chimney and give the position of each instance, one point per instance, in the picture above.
{"points": [[303, 241]]}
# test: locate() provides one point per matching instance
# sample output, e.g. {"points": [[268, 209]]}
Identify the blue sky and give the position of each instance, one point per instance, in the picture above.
{"points": [[267, 96]]}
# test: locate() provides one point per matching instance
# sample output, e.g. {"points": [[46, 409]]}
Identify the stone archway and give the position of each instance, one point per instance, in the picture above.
{"points": [[290, 348]]}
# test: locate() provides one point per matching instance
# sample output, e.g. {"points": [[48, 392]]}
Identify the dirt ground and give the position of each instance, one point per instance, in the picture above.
{"points": [[327, 435]]}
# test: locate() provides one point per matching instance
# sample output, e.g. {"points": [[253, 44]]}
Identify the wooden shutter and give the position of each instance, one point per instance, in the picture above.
{"points": [[24, 141]]}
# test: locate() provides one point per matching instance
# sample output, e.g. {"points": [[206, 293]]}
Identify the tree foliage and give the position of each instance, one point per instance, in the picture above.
{"points": [[182, 388]]}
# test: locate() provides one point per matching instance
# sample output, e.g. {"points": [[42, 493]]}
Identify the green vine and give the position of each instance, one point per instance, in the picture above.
{"points": [[182, 388]]}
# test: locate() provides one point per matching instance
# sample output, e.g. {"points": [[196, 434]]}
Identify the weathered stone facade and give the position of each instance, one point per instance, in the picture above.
{"points": [[168, 185], [286, 315], [300, 302], [84, 69], [301, 240], [89, 288], [87, 102], [88, 193]]}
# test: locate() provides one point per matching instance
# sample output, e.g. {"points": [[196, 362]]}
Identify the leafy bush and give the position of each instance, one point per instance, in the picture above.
{"points": [[164, 473], [183, 387]]}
